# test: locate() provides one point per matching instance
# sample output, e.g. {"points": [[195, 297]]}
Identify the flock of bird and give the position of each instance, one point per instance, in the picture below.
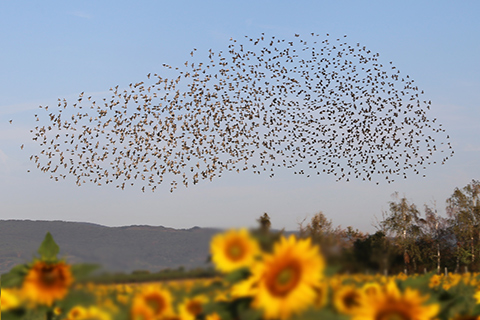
{"points": [[315, 106]]}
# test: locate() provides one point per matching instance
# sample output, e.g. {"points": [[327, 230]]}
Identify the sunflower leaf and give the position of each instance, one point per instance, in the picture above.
{"points": [[237, 275], [48, 249], [314, 314], [83, 270], [220, 308], [476, 310], [243, 311], [250, 314], [17, 314], [14, 277]]}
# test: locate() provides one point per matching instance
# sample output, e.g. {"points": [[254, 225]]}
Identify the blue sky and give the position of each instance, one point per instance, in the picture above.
{"points": [[57, 49]]}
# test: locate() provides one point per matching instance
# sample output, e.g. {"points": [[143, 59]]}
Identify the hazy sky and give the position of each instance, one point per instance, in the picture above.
{"points": [[57, 49]]}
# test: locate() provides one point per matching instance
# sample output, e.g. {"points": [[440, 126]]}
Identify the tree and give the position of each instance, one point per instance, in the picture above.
{"points": [[352, 235], [321, 231], [402, 220], [264, 234], [265, 223], [463, 210], [375, 252], [318, 228], [435, 236]]}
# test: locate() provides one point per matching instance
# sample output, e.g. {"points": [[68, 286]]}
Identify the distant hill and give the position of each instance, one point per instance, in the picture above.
{"points": [[114, 248]]}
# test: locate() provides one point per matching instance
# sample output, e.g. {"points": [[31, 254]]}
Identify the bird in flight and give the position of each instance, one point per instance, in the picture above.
{"points": [[311, 105]]}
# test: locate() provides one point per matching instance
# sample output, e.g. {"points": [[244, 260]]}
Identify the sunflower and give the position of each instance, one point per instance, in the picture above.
{"points": [[244, 288], [57, 311], [213, 316], [152, 303], [287, 280], [76, 312], [322, 295], [9, 299], [435, 281], [347, 299], [234, 249], [371, 288], [192, 307], [477, 296], [390, 303], [47, 282], [90, 313], [141, 312]]}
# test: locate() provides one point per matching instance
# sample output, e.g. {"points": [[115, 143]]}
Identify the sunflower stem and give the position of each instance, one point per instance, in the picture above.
{"points": [[49, 315]]}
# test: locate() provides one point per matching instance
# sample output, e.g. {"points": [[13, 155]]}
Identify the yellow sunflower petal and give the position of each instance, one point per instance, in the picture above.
{"points": [[347, 299], [234, 249], [287, 279], [152, 302], [47, 282], [9, 299], [192, 307], [390, 303]]}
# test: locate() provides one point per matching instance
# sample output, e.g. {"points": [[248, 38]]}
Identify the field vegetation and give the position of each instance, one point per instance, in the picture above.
{"points": [[399, 272]]}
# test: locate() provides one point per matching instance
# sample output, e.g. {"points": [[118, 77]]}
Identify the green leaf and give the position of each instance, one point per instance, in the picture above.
{"points": [[14, 278], [13, 315], [243, 311], [82, 270], [324, 314], [237, 275], [250, 314], [476, 310], [75, 298], [330, 271], [204, 289], [419, 282], [220, 308], [48, 249]]}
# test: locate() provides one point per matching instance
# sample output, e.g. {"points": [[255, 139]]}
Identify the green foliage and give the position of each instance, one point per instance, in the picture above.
{"points": [[75, 298], [48, 249], [318, 228], [375, 252], [456, 301], [14, 278], [463, 209], [166, 274], [264, 235], [240, 309], [81, 271], [265, 223], [237, 275], [418, 282], [221, 308], [324, 314], [19, 314]]}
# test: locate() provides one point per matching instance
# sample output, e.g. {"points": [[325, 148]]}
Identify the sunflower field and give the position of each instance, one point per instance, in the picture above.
{"points": [[286, 278]]}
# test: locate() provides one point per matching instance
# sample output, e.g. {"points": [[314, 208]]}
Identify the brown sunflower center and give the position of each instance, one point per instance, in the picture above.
{"points": [[194, 307], [141, 316], [156, 303], [236, 251], [51, 275], [284, 279], [351, 300], [371, 291], [392, 315], [466, 317], [75, 313]]}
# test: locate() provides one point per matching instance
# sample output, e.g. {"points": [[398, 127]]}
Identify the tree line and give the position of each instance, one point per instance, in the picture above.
{"points": [[405, 239]]}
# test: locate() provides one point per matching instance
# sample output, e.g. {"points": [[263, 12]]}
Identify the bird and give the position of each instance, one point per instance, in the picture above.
{"points": [[258, 105]]}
